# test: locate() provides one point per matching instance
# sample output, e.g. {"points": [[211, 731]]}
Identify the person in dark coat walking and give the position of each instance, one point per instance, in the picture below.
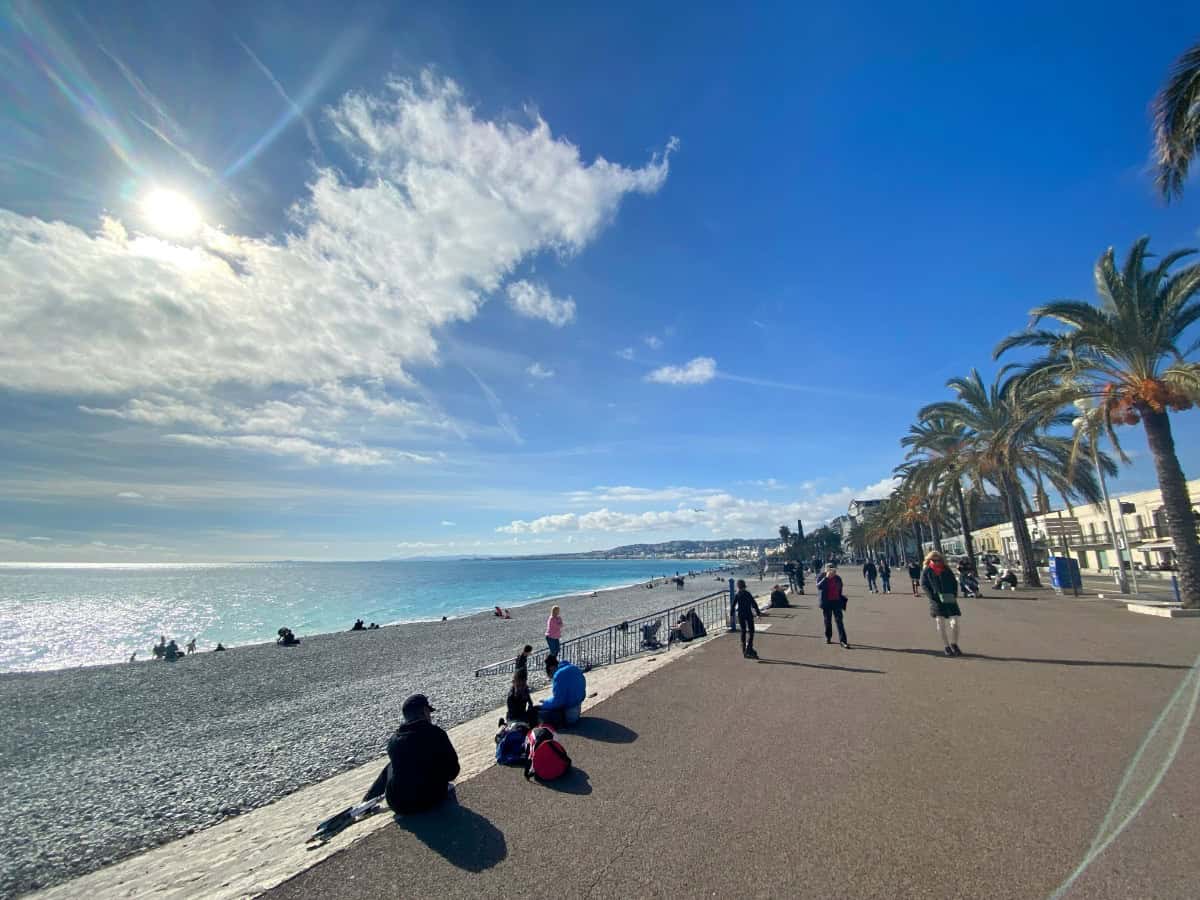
{"points": [[747, 609], [870, 571], [833, 604], [421, 762], [885, 576], [941, 590]]}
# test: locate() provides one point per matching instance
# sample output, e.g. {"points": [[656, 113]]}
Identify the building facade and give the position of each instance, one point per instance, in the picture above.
{"points": [[1084, 533]]}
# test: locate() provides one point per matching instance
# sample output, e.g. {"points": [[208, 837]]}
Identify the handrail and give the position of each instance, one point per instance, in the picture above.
{"points": [[608, 645]]}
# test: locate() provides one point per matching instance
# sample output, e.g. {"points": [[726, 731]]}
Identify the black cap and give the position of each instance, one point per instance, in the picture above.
{"points": [[415, 704]]}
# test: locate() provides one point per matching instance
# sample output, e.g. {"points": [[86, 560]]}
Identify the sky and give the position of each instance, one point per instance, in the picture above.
{"points": [[358, 281]]}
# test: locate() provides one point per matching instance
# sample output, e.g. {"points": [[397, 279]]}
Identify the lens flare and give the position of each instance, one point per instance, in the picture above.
{"points": [[170, 213]]}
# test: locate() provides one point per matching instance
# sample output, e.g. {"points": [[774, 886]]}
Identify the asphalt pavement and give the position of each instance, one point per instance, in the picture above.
{"points": [[883, 771]]}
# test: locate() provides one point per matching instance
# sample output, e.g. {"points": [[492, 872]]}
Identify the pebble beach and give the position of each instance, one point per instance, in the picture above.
{"points": [[102, 762]]}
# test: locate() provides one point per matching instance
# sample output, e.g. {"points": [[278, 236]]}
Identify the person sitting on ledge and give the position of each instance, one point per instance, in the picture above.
{"points": [[568, 687], [779, 596], [421, 765], [286, 638], [520, 704], [358, 625]]}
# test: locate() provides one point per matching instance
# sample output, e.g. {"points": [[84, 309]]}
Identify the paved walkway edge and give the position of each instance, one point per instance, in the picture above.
{"points": [[251, 853]]}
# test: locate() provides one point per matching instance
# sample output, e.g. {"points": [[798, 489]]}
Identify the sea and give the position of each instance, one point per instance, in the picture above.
{"points": [[64, 615]]}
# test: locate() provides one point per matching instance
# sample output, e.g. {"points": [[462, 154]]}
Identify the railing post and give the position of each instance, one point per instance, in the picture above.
{"points": [[612, 644], [1175, 588], [732, 618]]}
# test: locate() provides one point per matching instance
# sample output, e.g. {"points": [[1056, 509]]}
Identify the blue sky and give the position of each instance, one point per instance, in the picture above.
{"points": [[357, 281]]}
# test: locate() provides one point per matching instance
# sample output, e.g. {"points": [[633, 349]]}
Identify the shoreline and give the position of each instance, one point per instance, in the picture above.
{"points": [[466, 614], [179, 748]]}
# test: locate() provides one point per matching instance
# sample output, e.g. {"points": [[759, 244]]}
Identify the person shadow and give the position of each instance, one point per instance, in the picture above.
{"points": [[598, 728], [459, 835], [804, 665]]}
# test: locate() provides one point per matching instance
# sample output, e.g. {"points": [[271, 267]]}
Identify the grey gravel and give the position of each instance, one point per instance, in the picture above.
{"points": [[101, 762]]}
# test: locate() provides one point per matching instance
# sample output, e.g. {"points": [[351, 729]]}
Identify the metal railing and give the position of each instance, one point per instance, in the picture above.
{"points": [[606, 646]]}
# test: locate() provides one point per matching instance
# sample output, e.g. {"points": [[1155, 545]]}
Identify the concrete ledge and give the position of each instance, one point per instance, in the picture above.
{"points": [[1167, 612]]}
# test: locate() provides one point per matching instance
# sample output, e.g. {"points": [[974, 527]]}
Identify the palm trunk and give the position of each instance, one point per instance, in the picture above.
{"points": [[965, 522], [1181, 525], [936, 529], [917, 538], [1012, 496]]}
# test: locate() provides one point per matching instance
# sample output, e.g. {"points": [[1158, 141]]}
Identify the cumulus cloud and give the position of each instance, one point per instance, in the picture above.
{"points": [[443, 208], [534, 301], [537, 370], [711, 512], [700, 370]]}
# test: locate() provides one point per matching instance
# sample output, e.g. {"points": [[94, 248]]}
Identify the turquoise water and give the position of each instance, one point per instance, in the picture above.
{"points": [[71, 615]]}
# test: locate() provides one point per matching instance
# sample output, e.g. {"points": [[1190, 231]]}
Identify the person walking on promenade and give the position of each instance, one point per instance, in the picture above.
{"points": [[914, 572], [554, 627], [833, 604], [747, 609], [941, 589], [870, 571], [885, 576]]}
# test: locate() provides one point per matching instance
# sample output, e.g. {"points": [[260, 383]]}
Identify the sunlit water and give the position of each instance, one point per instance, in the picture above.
{"points": [[72, 615]]}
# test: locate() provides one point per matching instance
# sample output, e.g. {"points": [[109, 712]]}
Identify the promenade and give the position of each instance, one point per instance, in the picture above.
{"points": [[884, 771]]}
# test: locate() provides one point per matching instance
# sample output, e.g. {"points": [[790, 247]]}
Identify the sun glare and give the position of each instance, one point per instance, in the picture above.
{"points": [[170, 213]]}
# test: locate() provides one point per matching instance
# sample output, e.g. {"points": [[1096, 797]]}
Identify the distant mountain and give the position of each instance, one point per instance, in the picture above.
{"points": [[720, 549]]}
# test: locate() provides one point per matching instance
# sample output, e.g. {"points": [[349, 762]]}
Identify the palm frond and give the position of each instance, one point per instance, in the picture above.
{"points": [[1175, 123]]}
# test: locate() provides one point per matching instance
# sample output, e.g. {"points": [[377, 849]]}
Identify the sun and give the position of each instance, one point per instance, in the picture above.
{"points": [[170, 212]]}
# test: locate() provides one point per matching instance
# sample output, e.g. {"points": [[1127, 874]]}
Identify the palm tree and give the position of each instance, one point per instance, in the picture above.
{"points": [[1007, 440], [937, 460], [1177, 123], [1125, 352]]}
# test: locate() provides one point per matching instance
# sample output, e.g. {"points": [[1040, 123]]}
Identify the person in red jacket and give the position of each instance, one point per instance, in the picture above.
{"points": [[833, 604]]}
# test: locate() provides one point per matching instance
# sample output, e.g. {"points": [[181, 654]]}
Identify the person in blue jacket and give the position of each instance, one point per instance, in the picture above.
{"points": [[568, 687]]}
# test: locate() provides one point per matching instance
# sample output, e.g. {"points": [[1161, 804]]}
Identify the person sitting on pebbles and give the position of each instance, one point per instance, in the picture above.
{"points": [[422, 763]]}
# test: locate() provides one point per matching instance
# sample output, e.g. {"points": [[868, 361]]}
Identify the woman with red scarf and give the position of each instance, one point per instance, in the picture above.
{"points": [[941, 589]]}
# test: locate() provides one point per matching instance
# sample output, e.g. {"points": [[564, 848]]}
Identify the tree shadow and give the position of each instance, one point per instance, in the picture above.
{"points": [[461, 836], [598, 728], [1021, 659], [574, 782], [788, 662]]}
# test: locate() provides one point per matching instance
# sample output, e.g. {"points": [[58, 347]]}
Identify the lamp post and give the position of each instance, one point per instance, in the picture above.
{"points": [[1084, 421]]}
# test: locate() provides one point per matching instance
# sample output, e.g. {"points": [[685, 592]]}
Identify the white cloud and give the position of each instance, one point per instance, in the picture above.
{"points": [[306, 450], [700, 370], [880, 490], [703, 511], [653, 342], [445, 206], [129, 495], [626, 353], [537, 370], [447, 523], [534, 301]]}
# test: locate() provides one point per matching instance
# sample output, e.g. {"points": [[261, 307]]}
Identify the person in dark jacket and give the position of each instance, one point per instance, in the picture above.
{"points": [[870, 571], [421, 762], [520, 704], [747, 608], [779, 597], [941, 590], [833, 604], [885, 576], [521, 663], [914, 572]]}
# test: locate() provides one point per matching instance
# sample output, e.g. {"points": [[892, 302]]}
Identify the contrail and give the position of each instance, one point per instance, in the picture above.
{"points": [[296, 110], [503, 419]]}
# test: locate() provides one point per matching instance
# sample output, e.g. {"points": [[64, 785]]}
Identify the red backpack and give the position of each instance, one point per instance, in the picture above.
{"points": [[547, 758]]}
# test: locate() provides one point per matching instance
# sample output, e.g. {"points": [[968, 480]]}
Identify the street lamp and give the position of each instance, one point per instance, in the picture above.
{"points": [[1088, 412]]}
